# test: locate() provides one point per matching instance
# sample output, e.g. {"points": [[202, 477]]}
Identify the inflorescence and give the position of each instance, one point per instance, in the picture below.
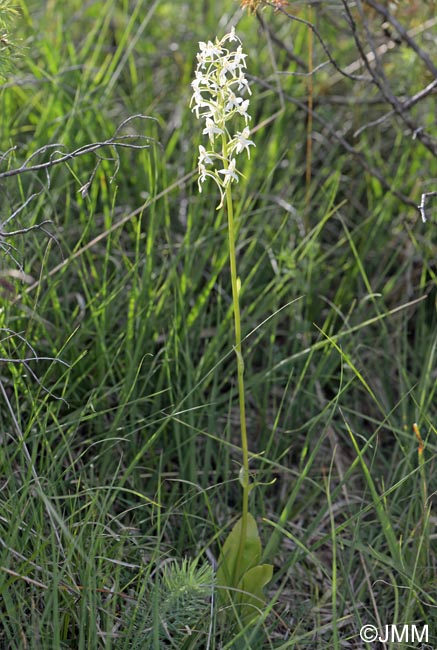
{"points": [[218, 87]]}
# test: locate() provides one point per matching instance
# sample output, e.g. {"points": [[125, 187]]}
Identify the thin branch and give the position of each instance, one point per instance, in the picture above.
{"points": [[24, 205], [23, 231], [404, 34], [56, 157], [319, 37], [406, 105], [379, 79], [380, 51], [117, 141], [26, 360], [373, 171], [421, 206], [291, 56], [115, 226]]}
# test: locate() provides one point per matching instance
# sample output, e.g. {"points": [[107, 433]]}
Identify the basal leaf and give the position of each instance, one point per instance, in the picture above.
{"points": [[251, 555], [250, 596]]}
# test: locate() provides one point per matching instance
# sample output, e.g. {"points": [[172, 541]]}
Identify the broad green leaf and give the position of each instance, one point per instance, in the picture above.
{"points": [[251, 597], [251, 555]]}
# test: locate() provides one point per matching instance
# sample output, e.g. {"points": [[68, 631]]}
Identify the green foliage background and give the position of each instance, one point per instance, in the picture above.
{"points": [[127, 458]]}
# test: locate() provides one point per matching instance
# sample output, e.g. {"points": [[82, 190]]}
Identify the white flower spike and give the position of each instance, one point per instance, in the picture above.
{"points": [[217, 87]]}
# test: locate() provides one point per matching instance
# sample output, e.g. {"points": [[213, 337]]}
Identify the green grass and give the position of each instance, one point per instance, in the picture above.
{"points": [[119, 453]]}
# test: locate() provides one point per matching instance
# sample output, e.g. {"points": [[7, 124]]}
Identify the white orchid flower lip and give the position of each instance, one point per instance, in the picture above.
{"points": [[218, 88]]}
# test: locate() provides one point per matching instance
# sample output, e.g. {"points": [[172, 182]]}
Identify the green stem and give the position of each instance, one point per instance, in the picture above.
{"points": [[240, 370]]}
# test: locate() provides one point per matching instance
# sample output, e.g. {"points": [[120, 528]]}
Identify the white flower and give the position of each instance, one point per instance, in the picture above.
{"points": [[242, 109], [208, 52], [240, 141], [239, 56], [231, 36], [204, 156], [203, 173], [198, 79], [230, 173], [233, 101], [211, 130], [200, 104], [228, 67], [242, 82]]}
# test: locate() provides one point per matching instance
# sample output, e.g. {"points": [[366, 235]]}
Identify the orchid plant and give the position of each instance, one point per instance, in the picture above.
{"points": [[218, 99]]}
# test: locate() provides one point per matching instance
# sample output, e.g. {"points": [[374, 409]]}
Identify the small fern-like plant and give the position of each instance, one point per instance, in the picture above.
{"points": [[217, 99], [174, 611]]}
